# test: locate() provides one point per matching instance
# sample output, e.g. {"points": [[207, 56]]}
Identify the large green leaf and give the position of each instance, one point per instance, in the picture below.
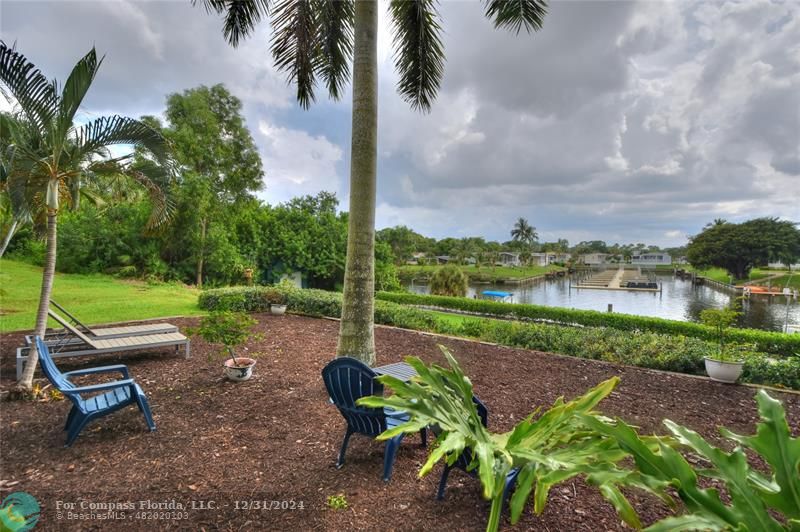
{"points": [[774, 442]]}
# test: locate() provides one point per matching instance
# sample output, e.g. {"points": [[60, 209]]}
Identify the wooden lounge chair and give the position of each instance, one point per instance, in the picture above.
{"points": [[114, 332], [348, 379], [94, 401], [80, 344]]}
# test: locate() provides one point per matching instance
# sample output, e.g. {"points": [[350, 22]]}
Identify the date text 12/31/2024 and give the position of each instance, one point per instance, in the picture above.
{"points": [[258, 504]]}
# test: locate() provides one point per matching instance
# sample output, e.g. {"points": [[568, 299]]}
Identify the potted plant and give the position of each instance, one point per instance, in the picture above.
{"points": [[277, 302], [721, 367], [230, 330]]}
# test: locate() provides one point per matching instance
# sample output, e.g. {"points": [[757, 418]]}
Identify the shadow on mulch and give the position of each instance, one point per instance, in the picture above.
{"points": [[222, 449]]}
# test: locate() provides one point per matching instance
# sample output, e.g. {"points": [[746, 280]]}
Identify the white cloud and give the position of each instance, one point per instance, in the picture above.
{"points": [[296, 163]]}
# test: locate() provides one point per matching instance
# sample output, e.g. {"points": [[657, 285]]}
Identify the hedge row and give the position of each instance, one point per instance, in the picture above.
{"points": [[678, 353], [243, 298], [766, 341]]}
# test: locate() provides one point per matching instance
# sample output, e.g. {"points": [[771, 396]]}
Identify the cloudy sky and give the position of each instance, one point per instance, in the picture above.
{"points": [[621, 121]]}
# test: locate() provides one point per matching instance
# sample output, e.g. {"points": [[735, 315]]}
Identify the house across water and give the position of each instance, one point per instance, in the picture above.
{"points": [[651, 259]]}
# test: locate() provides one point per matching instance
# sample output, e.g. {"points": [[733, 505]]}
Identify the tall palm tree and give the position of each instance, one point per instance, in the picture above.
{"points": [[524, 232], [54, 157], [318, 38]]}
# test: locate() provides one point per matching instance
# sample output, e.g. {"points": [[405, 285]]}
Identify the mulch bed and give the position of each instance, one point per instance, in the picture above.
{"points": [[275, 438]]}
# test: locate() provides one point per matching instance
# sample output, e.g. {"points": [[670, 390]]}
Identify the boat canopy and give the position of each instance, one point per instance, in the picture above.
{"points": [[495, 293]]}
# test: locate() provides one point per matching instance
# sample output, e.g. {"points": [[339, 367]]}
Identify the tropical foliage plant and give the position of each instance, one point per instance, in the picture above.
{"points": [[55, 157], [548, 447], [449, 280], [757, 501], [318, 40]]}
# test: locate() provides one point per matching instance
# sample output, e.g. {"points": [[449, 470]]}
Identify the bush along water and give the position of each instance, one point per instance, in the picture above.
{"points": [[671, 352], [766, 341]]}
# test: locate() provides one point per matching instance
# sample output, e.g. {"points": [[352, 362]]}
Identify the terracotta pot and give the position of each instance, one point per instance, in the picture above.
{"points": [[241, 371], [723, 371], [277, 309]]}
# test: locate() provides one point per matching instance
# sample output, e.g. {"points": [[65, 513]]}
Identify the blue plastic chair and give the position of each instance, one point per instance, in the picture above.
{"points": [[465, 458], [347, 380], [116, 395]]}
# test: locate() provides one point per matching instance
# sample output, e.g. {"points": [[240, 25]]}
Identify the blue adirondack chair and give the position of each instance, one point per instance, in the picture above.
{"points": [[348, 379], [115, 395], [465, 458]]}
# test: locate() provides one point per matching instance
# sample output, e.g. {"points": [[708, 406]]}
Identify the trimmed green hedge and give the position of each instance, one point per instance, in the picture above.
{"points": [[678, 353], [766, 341]]}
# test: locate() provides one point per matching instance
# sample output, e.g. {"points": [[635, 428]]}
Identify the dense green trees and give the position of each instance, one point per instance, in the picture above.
{"points": [[740, 247], [220, 168]]}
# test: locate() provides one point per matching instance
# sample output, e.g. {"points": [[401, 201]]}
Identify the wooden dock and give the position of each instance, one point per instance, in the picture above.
{"points": [[616, 280]]}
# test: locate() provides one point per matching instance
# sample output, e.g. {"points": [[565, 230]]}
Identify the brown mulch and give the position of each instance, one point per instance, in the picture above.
{"points": [[275, 438]]}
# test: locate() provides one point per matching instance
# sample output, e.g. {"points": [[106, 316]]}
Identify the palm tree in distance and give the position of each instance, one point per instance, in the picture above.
{"points": [[319, 38], [524, 232], [54, 158]]}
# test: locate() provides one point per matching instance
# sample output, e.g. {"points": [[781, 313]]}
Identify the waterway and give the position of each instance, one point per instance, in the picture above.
{"points": [[678, 300]]}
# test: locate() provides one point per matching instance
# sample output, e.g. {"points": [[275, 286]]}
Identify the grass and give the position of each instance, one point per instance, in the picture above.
{"points": [[780, 282], [485, 273], [93, 299], [722, 276]]}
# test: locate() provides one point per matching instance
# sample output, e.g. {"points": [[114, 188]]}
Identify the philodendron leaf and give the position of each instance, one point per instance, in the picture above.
{"points": [[774, 442], [452, 443], [621, 504], [682, 523], [746, 507], [522, 491]]}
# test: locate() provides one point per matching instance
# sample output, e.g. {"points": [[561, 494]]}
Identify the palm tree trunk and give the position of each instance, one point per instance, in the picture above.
{"points": [[7, 239], [201, 257], [356, 335], [26, 381]]}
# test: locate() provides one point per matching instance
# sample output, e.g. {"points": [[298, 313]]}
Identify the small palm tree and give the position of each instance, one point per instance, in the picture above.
{"points": [[449, 280], [54, 158], [317, 39]]}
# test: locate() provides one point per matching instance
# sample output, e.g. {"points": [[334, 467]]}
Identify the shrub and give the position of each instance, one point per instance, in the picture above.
{"points": [[765, 341], [449, 281]]}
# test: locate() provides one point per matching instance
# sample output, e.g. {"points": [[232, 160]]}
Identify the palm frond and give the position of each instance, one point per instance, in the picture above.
{"points": [[35, 95], [153, 177], [295, 45], [336, 44], [418, 51], [241, 16], [516, 14], [78, 83], [109, 130]]}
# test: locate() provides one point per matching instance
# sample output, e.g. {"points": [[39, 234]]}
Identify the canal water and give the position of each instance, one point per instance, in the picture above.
{"points": [[679, 300]]}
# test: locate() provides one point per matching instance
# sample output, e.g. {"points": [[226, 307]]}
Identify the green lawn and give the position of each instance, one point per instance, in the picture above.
{"points": [[92, 298], [483, 272], [780, 282], [722, 276]]}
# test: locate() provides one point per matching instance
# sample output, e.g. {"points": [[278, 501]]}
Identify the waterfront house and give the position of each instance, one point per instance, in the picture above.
{"points": [[651, 259], [594, 258], [508, 258]]}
